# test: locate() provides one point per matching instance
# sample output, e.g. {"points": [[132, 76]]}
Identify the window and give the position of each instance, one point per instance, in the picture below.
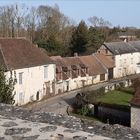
{"points": [[131, 60], [124, 61], [21, 78], [102, 77], [45, 72], [21, 97], [120, 62]]}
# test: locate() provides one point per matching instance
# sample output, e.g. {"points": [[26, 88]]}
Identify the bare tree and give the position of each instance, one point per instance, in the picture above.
{"points": [[100, 22], [31, 21]]}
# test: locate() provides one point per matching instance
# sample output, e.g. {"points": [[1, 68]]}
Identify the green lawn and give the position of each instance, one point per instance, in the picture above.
{"points": [[119, 97]]}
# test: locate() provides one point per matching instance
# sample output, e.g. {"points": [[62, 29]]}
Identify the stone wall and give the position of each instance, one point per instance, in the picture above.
{"points": [[64, 127], [135, 117]]}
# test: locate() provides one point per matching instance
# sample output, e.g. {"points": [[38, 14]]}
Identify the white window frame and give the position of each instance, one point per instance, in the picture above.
{"points": [[131, 60], [45, 72], [21, 97], [20, 76], [120, 63]]}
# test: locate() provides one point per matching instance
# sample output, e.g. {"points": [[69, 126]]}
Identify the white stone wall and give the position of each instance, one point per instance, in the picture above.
{"points": [[125, 64], [135, 117], [33, 81], [76, 83]]}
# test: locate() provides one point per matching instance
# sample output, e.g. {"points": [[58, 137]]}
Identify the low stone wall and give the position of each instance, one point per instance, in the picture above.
{"points": [[135, 117], [90, 130]]}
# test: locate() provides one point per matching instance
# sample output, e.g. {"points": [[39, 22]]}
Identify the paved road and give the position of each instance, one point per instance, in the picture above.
{"points": [[59, 103]]}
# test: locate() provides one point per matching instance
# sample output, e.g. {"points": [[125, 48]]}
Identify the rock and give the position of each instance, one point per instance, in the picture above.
{"points": [[14, 131], [70, 130], [79, 138], [57, 137], [48, 129], [9, 124], [25, 138]]}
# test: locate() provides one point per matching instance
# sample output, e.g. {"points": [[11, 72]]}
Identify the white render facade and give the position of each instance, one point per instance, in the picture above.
{"points": [[76, 83], [125, 64], [31, 83], [126, 56]]}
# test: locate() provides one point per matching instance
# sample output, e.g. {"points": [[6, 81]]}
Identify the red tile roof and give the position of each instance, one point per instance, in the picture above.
{"points": [[95, 67], [108, 62], [21, 53]]}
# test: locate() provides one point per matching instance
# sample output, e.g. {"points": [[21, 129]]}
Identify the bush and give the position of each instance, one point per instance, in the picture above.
{"points": [[6, 88], [85, 111]]}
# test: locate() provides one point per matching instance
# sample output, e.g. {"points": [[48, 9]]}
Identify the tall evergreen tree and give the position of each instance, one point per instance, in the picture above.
{"points": [[79, 39], [95, 40], [6, 88]]}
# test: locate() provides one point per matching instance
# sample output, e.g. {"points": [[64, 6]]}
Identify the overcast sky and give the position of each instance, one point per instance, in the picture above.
{"points": [[118, 12]]}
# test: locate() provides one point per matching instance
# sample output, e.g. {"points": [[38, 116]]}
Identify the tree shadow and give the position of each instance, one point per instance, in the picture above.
{"points": [[129, 91]]}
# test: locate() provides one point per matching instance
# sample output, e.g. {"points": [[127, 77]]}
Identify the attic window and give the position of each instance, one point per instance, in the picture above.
{"points": [[65, 69], [74, 67], [82, 66]]}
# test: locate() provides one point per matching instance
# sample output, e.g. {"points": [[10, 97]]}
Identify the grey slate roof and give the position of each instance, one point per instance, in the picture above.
{"points": [[123, 47], [136, 45]]}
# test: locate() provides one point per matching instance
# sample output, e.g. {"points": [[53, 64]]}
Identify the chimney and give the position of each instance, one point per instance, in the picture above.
{"points": [[75, 54]]}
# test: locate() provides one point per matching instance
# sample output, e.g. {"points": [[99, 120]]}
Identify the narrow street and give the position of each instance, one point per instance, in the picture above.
{"points": [[60, 103]]}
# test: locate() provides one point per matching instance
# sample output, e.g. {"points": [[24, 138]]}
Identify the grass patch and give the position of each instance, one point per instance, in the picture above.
{"points": [[119, 97]]}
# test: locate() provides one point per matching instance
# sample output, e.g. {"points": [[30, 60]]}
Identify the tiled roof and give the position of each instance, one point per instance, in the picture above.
{"points": [[94, 66], [21, 53], [108, 62], [136, 45], [71, 61]]}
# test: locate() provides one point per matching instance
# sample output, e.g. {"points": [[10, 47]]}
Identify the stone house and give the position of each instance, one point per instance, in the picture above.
{"points": [[96, 71], [79, 71], [33, 69], [70, 73], [136, 45], [107, 62], [125, 56]]}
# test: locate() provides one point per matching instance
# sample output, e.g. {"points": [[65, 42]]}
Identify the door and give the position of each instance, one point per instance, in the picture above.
{"points": [[110, 73]]}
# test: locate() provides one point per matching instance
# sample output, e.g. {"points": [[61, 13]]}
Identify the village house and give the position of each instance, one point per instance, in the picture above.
{"points": [[127, 36], [70, 73], [107, 62], [96, 71], [125, 56], [136, 45], [62, 74], [79, 71], [33, 69]]}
